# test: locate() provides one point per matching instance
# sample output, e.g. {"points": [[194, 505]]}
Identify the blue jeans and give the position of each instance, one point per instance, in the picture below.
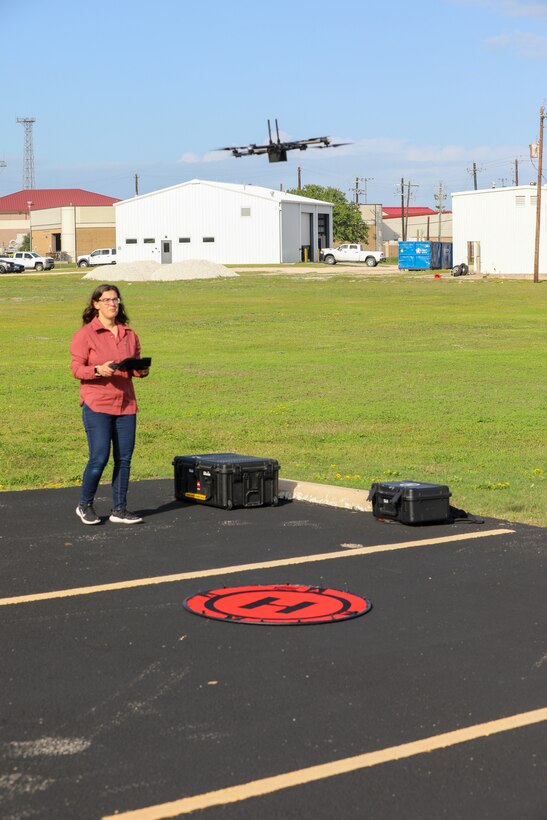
{"points": [[102, 429]]}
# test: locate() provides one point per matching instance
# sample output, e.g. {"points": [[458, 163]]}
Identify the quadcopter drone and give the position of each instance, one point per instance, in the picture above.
{"points": [[277, 151]]}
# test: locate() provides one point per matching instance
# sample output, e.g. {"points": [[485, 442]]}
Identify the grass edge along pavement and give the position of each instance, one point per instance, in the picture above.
{"points": [[345, 380]]}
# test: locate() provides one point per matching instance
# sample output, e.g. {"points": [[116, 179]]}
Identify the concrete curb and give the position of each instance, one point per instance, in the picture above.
{"points": [[326, 494]]}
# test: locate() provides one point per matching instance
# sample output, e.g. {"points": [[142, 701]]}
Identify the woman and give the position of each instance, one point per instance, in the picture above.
{"points": [[107, 398]]}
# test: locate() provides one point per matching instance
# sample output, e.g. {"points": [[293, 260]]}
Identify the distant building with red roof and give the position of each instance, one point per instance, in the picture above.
{"points": [[68, 221], [421, 224], [51, 198], [389, 212], [385, 226]]}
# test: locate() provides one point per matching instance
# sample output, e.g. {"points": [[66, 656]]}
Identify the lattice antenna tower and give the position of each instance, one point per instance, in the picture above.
{"points": [[28, 164]]}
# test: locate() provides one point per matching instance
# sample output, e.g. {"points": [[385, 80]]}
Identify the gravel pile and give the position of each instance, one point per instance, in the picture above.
{"points": [[150, 271]]}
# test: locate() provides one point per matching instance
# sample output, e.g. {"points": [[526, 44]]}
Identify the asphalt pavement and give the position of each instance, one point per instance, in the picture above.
{"points": [[117, 701]]}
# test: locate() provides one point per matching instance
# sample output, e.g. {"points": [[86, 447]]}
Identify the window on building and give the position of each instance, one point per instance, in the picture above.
{"points": [[184, 239], [130, 241], [519, 201], [208, 238], [149, 241], [245, 212]]}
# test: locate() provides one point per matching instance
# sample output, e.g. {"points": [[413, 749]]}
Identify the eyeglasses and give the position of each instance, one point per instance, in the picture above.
{"points": [[115, 301]]}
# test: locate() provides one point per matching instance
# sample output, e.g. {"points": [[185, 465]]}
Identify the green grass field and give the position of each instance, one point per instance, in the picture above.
{"points": [[345, 380]]}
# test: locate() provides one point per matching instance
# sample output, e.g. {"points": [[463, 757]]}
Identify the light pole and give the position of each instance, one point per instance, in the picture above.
{"points": [[29, 204], [539, 149]]}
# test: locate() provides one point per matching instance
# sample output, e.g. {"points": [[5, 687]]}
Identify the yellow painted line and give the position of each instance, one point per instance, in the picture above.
{"points": [[208, 573], [288, 780]]}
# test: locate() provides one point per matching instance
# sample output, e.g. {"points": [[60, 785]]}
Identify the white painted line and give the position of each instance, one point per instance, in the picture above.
{"points": [[282, 562], [299, 777]]}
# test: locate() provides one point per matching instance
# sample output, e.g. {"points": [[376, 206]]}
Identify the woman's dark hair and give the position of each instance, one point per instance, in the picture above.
{"points": [[90, 311]]}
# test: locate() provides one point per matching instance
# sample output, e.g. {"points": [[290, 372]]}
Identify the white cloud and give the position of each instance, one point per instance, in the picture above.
{"points": [[189, 157], [446, 153], [210, 156], [509, 8], [384, 151], [515, 8], [525, 44], [499, 41]]}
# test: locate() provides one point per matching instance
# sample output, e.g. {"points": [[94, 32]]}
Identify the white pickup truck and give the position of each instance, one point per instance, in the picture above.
{"points": [[351, 253], [32, 260]]}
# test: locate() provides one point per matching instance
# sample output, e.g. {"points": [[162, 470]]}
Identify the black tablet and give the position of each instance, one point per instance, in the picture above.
{"points": [[132, 364]]}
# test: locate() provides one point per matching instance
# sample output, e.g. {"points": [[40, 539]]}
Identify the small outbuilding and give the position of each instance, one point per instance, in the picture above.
{"points": [[495, 230], [221, 222]]}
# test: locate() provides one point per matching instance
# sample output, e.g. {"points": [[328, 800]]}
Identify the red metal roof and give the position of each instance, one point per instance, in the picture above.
{"points": [[395, 213], [51, 198]]}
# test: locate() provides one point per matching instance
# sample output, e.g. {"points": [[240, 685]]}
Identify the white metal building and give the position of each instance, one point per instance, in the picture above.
{"points": [[494, 230], [221, 222]]}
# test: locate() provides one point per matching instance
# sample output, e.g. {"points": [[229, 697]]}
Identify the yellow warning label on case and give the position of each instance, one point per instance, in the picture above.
{"points": [[197, 496]]}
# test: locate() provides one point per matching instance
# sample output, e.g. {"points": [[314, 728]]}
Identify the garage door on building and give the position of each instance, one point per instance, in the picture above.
{"points": [[306, 236]]}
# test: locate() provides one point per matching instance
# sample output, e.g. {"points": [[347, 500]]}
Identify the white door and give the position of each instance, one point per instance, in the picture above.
{"points": [[353, 253]]}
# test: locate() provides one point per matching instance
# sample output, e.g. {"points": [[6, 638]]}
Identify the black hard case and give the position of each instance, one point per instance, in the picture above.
{"points": [[410, 502], [227, 480]]}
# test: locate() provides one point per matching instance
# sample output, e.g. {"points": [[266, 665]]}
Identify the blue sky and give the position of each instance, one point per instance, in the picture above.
{"points": [[421, 90]]}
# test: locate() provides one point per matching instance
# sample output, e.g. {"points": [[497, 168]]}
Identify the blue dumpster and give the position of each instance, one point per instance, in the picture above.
{"points": [[414, 255], [425, 255], [446, 255]]}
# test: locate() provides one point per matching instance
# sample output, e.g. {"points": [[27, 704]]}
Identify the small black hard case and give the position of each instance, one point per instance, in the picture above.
{"points": [[227, 480], [411, 502]]}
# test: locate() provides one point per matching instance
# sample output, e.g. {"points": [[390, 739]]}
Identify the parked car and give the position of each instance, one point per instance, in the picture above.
{"points": [[100, 256], [33, 261], [9, 266]]}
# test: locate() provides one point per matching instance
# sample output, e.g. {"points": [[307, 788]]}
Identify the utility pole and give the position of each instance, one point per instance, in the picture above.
{"points": [[299, 171], [365, 180], [403, 229], [136, 184], [409, 184], [516, 172], [28, 163], [440, 197], [538, 197], [404, 222], [356, 190], [473, 170]]}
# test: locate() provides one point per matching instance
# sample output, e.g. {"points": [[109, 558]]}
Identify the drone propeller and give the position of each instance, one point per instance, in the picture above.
{"points": [[332, 145]]}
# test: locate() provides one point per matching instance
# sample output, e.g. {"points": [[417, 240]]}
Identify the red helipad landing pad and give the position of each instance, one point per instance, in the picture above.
{"points": [[282, 604]]}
